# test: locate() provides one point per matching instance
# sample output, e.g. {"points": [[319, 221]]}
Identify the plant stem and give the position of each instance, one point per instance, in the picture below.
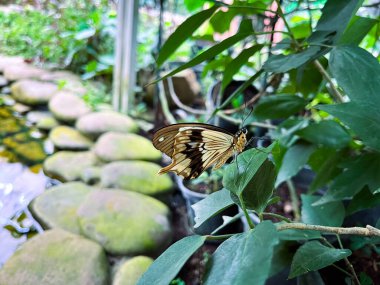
{"points": [[164, 103], [349, 264], [294, 199], [282, 218], [334, 91], [367, 231], [244, 209], [282, 16], [219, 237]]}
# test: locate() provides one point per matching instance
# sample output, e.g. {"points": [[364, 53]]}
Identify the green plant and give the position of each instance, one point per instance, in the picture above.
{"points": [[322, 87]]}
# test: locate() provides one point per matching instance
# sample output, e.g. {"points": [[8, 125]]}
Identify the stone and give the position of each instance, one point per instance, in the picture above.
{"points": [[113, 146], [35, 116], [30, 152], [125, 223], [3, 81], [57, 257], [68, 138], [21, 108], [9, 126], [6, 61], [22, 71], [31, 92], [96, 123], [57, 207], [137, 176], [67, 107], [91, 175], [130, 271], [46, 124], [68, 165]]}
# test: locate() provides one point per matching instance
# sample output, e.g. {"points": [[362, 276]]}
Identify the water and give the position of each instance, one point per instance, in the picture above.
{"points": [[22, 150]]}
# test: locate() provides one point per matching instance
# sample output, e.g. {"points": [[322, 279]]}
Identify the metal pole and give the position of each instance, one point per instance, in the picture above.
{"points": [[125, 60]]}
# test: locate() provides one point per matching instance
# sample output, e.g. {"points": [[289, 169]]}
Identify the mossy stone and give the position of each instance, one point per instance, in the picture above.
{"points": [[68, 138], [130, 271]]}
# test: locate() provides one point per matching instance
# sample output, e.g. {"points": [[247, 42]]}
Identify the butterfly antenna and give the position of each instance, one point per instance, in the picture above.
{"points": [[252, 139]]}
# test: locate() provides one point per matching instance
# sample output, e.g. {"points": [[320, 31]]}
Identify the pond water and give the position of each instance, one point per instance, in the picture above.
{"points": [[22, 150]]}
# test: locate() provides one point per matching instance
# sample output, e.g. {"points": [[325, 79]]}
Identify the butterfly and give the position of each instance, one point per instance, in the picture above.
{"points": [[194, 147]]}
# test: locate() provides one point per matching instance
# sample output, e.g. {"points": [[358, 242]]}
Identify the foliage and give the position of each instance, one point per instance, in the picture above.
{"points": [[324, 81]]}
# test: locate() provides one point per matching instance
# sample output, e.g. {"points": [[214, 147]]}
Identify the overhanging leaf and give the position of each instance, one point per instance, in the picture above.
{"points": [[331, 214], [313, 256], [326, 133], [357, 29], [363, 200], [278, 106], [245, 258], [171, 261], [294, 159], [183, 32], [211, 205]]}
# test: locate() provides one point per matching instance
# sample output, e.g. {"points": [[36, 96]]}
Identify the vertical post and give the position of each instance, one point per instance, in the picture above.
{"points": [[124, 76]]}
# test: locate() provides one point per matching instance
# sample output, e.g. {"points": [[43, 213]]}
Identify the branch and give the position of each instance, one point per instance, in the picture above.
{"points": [[164, 103], [360, 231], [334, 91]]}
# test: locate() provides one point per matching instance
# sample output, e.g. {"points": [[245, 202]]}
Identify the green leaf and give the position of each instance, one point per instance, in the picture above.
{"points": [[331, 214], [357, 29], [256, 195], [192, 5], [283, 63], [234, 66], [209, 53], [357, 72], [183, 32], [239, 173], [211, 206], [365, 199], [298, 235], [166, 267], [326, 133], [244, 258], [313, 256], [278, 106], [336, 15], [362, 118], [282, 256], [363, 171], [294, 159], [311, 278], [221, 20]]}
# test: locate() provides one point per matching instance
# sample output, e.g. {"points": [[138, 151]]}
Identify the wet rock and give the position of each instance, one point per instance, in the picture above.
{"points": [[3, 81], [64, 137], [22, 71], [56, 257], [137, 176], [31, 92], [97, 123], [6, 61], [46, 124], [56, 207], [118, 146], [91, 175], [130, 271], [21, 108], [35, 116], [68, 165], [9, 126], [67, 107], [30, 152], [125, 223]]}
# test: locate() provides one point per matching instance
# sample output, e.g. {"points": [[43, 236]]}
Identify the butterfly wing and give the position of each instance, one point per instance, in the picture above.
{"points": [[196, 147]]}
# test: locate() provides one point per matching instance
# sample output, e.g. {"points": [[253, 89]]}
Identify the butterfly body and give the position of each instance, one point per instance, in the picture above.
{"points": [[194, 147]]}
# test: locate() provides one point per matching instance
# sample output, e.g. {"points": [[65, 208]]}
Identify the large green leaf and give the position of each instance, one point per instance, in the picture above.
{"points": [[297, 235], [365, 199], [259, 189], [363, 171], [244, 258], [326, 133], [294, 159], [279, 106], [357, 72], [209, 53], [211, 205], [313, 256], [357, 29], [166, 267], [234, 66], [183, 32], [363, 118], [239, 173], [331, 214], [336, 14]]}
